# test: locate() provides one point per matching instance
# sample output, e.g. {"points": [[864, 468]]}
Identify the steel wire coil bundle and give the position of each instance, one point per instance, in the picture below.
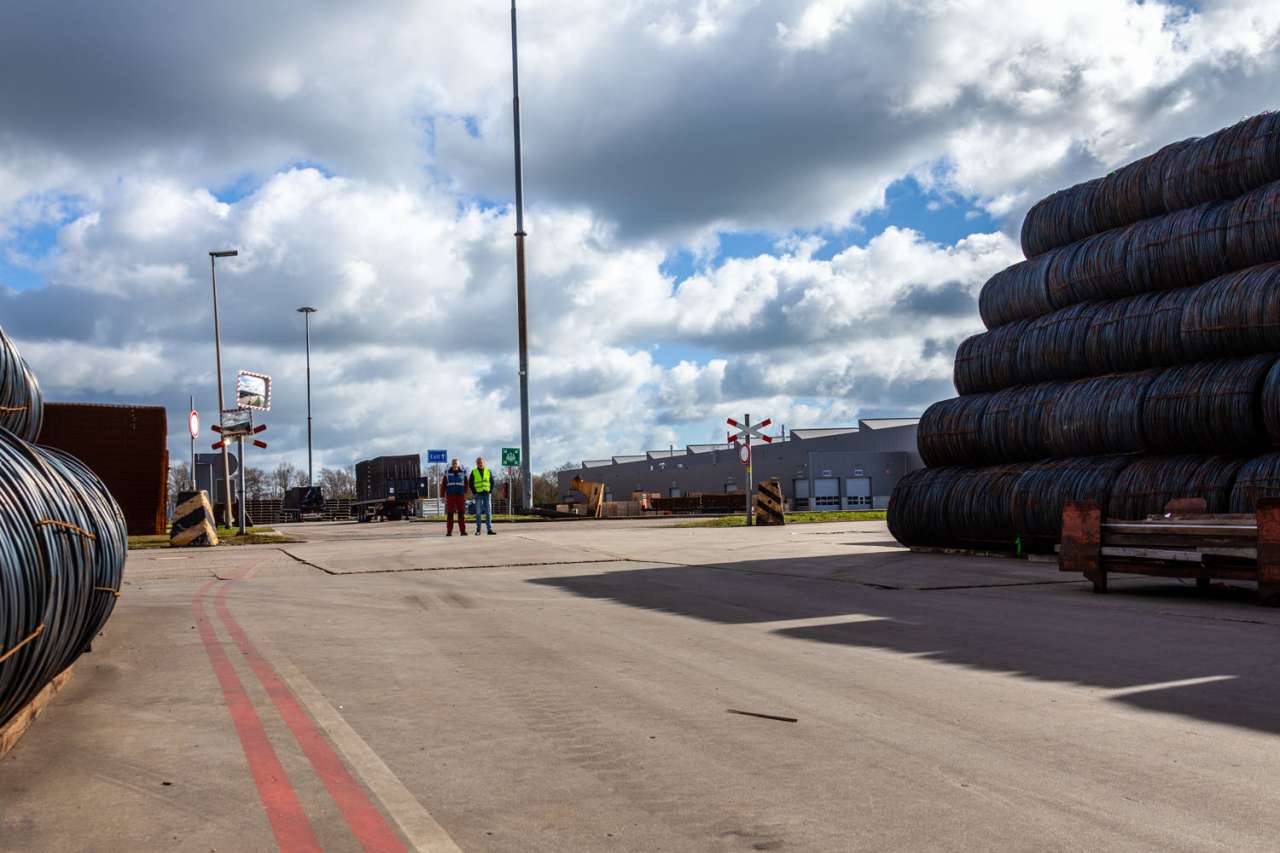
{"points": [[949, 434], [1258, 478], [955, 506], [1233, 315], [1179, 249], [1252, 235], [1017, 292], [1130, 193], [1094, 268], [978, 506], [21, 405], [1136, 332], [1053, 346], [1222, 165], [1011, 428], [1210, 407], [918, 505], [989, 361], [1045, 487], [1147, 485], [62, 548], [1136, 191], [1098, 415]]}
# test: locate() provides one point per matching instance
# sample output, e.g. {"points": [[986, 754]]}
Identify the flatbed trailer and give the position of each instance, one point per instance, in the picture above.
{"points": [[390, 508]]}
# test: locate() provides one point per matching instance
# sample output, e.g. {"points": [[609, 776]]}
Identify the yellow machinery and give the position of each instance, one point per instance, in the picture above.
{"points": [[593, 492]]}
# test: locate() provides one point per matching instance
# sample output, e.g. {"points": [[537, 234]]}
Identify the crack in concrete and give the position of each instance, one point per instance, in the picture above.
{"points": [[333, 573]]}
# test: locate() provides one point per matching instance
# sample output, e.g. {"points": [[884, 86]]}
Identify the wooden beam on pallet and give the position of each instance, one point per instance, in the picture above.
{"points": [[12, 731]]}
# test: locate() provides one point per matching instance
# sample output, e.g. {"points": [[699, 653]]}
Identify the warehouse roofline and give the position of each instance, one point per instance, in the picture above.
{"points": [[886, 423]]}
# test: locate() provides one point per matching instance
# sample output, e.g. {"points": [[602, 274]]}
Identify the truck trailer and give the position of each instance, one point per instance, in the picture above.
{"points": [[388, 488]]}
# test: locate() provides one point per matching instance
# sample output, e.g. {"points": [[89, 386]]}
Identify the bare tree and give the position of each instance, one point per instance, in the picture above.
{"points": [[285, 477], [179, 481], [256, 486], [546, 486], [338, 482]]}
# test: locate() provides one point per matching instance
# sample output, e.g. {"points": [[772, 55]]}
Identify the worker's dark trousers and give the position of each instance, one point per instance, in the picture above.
{"points": [[455, 504]]}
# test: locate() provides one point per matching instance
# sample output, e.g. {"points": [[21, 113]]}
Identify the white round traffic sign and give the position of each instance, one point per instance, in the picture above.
{"points": [[744, 453], [193, 424]]}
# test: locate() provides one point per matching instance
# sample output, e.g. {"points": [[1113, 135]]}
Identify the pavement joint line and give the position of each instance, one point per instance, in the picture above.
{"points": [[417, 824], [328, 571]]}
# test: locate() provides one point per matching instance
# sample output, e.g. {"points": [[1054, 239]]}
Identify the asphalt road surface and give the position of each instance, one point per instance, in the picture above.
{"points": [[577, 686]]}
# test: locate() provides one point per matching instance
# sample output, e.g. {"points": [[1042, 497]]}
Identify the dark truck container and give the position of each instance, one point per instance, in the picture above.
{"points": [[302, 503], [388, 487]]}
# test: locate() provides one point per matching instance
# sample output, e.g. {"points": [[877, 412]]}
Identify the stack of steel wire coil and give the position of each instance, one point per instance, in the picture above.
{"points": [[62, 546], [1133, 358]]}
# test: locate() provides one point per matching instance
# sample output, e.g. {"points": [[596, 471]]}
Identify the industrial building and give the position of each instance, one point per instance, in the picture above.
{"points": [[822, 469]]}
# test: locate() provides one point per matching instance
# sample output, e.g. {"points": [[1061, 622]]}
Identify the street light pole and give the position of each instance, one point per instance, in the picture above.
{"points": [[222, 400], [526, 490], [306, 311]]}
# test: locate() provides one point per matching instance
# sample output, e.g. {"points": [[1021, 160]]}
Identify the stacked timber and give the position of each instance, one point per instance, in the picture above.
{"points": [[1133, 358]]}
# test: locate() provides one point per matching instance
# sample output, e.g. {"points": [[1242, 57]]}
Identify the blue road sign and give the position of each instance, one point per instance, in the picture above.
{"points": [[434, 456]]}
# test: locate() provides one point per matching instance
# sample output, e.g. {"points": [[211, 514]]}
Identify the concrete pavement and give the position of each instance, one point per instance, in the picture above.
{"points": [[567, 687]]}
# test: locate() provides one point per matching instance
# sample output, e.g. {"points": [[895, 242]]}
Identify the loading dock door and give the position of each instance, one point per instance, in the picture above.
{"points": [[800, 488], [826, 493], [857, 493]]}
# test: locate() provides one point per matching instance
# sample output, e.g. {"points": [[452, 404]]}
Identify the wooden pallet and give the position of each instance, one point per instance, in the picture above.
{"points": [[12, 731], [1197, 546]]}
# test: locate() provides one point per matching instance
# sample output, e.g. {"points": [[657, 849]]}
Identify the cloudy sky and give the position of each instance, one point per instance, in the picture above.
{"points": [[784, 207]]}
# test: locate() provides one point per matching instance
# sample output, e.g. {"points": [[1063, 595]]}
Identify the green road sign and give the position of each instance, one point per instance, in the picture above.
{"points": [[510, 457]]}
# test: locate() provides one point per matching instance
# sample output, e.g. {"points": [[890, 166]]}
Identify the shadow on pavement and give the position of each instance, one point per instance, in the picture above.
{"points": [[1138, 639]]}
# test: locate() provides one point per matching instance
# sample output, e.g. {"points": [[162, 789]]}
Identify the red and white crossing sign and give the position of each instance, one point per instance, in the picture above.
{"points": [[749, 430], [745, 432]]}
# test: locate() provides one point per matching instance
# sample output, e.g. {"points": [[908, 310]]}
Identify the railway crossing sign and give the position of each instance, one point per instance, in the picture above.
{"points": [[510, 457], [434, 456], [745, 432]]}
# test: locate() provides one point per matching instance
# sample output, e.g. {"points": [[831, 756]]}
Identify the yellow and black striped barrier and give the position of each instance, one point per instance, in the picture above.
{"points": [[193, 522], [769, 508]]}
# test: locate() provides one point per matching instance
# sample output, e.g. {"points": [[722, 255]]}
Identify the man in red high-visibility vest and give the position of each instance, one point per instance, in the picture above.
{"points": [[454, 488]]}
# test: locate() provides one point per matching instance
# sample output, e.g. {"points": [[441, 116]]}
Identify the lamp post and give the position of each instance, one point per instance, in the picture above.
{"points": [[526, 492], [222, 400], [306, 311]]}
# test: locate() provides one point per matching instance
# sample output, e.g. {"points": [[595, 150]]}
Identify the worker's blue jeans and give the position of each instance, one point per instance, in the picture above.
{"points": [[484, 510]]}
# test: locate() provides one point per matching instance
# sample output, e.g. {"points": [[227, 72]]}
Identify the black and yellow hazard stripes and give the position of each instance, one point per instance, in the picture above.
{"points": [[769, 507], [193, 521]]}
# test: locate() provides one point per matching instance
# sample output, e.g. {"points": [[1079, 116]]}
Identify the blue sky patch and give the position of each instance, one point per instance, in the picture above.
{"points": [[23, 253]]}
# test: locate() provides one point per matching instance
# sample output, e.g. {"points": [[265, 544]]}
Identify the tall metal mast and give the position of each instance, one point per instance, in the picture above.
{"points": [[526, 490]]}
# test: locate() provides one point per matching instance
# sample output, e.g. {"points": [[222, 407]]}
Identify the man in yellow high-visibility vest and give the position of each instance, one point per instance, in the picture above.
{"points": [[481, 484]]}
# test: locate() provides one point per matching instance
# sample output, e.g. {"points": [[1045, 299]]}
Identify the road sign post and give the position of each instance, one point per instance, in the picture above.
{"points": [[743, 438], [193, 426]]}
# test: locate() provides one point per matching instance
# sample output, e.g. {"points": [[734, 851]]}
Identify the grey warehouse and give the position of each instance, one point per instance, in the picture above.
{"points": [[840, 468]]}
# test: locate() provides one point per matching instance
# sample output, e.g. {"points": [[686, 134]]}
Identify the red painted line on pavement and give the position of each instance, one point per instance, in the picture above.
{"points": [[289, 822], [366, 822]]}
